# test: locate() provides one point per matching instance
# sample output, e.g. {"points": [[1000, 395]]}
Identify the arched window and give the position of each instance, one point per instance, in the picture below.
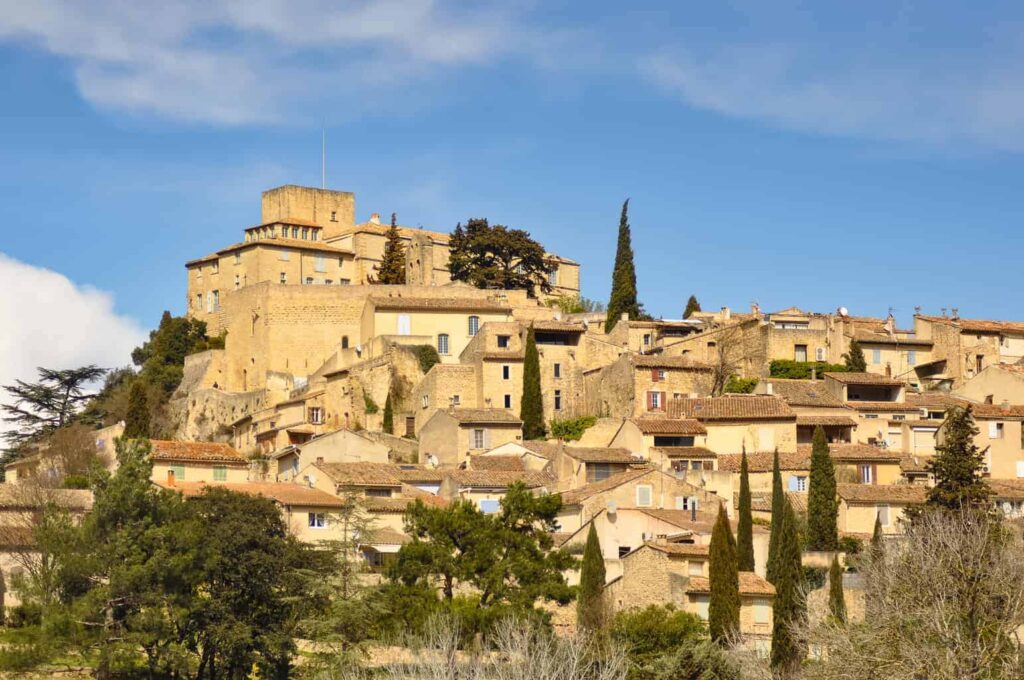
{"points": [[344, 342], [474, 325], [442, 343]]}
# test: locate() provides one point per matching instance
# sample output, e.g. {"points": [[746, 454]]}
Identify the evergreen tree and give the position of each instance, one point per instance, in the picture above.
{"points": [[836, 601], [136, 422], [745, 529], [778, 498], [623, 296], [877, 539], [724, 607], [389, 415], [789, 609], [957, 465], [531, 408], [392, 265], [822, 507], [590, 603], [37, 409], [855, 358], [497, 257], [691, 306]]}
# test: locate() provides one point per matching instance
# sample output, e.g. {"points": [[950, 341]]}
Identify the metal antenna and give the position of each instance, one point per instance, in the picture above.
{"points": [[323, 155]]}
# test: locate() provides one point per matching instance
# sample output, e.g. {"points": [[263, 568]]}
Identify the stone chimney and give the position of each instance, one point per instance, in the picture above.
{"points": [[769, 390], [726, 313], [375, 218]]}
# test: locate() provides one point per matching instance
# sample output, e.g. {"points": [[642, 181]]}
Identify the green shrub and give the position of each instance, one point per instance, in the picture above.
{"points": [[648, 633], [738, 385], [814, 577], [571, 429], [26, 614], [851, 545], [427, 356], [76, 482], [371, 405], [801, 370]]}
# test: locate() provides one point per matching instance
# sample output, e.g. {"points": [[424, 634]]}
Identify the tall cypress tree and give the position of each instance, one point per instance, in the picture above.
{"points": [[623, 296], [392, 265], [531, 408], [822, 506], [724, 607], [590, 604], [789, 609], [854, 359], [691, 306], [958, 464], [836, 600], [877, 539], [389, 415], [745, 529], [136, 421], [778, 499]]}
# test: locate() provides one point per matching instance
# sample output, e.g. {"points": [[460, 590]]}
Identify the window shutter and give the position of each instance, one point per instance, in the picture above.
{"points": [[654, 374], [993, 430], [874, 473], [661, 401], [1020, 468], [792, 482], [650, 401], [487, 438]]}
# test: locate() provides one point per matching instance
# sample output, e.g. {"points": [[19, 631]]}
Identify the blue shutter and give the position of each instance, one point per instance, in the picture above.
{"points": [[792, 482]]}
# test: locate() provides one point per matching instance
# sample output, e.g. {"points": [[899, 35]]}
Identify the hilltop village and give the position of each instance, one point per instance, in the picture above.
{"points": [[330, 383]]}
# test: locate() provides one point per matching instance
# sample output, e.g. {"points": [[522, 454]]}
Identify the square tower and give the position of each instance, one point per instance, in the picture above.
{"points": [[335, 211]]}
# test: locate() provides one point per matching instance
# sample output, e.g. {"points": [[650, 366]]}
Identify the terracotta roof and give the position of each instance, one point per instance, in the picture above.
{"points": [[872, 406], [919, 422], [980, 325], [912, 465], [826, 421], [451, 303], [750, 584], [285, 493], [556, 326], [662, 361], [575, 496], [684, 518], [804, 393], [855, 378], [684, 451], [933, 401], [587, 454], [670, 426], [298, 244], [484, 416], [886, 339], [995, 411], [854, 452], [379, 474], [15, 496], [762, 461], [732, 407], [909, 494], [507, 355], [387, 536], [1007, 489], [498, 479], [199, 452], [681, 549], [496, 463], [398, 505]]}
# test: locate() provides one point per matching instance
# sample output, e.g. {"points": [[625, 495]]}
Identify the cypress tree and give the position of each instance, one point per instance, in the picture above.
{"points": [[822, 507], [957, 465], [136, 421], [778, 498], [691, 306], [724, 607], [877, 539], [590, 605], [836, 601], [789, 609], [745, 529], [531, 408], [623, 297], [392, 265], [854, 359], [389, 415]]}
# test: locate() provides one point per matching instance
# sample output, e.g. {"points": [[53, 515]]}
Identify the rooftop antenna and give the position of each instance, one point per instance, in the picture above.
{"points": [[323, 154]]}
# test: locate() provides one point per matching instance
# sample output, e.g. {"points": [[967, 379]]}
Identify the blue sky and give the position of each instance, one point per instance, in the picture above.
{"points": [[857, 154]]}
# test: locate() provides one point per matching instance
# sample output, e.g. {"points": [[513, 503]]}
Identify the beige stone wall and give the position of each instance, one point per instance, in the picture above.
{"points": [[859, 518], [332, 210], [767, 435], [438, 388], [199, 472], [895, 360], [995, 384], [1005, 443], [677, 383], [451, 443], [207, 414]]}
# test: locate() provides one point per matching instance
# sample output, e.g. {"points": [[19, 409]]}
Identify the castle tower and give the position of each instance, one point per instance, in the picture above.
{"points": [[335, 211]]}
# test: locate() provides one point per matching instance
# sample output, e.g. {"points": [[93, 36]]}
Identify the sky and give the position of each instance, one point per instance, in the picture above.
{"points": [[866, 155]]}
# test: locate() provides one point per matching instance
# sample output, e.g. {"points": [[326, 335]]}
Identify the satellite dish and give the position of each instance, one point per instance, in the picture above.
{"points": [[312, 480], [843, 311], [612, 507]]}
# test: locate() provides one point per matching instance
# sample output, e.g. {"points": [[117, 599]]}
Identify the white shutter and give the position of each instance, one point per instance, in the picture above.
{"points": [[1020, 468], [993, 430], [404, 325]]}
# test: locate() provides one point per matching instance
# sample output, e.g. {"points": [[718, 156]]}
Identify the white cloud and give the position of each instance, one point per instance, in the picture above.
{"points": [[254, 61], [49, 321]]}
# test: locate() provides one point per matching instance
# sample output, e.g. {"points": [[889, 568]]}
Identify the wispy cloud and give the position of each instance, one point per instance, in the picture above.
{"points": [[256, 61]]}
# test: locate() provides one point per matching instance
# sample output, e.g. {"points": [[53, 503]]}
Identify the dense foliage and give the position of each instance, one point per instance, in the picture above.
{"points": [[822, 506], [802, 370], [745, 527], [958, 464], [161, 359], [778, 502], [651, 633], [691, 306], [724, 607], [392, 265], [789, 610], [590, 600], [836, 600], [623, 299], [854, 359], [427, 356], [37, 409], [388, 424], [574, 304], [136, 422], [531, 405], [571, 429], [738, 385], [488, 256]]}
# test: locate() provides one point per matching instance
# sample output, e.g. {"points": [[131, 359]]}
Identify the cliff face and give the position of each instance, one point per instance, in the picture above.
{"points": [[198, 410]]}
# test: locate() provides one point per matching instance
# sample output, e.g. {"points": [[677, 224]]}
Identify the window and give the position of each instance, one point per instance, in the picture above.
{"points": [[876, 356], [216, 266], [238, 258], [220, 473], [658, 375], [553, 277], [695, 568], [503, 341], [598, 471], [489, 507], [798, 483], [479, 437], [800, 352], [762, 611], [654, 400], [209, 303], [309, 280], [344, 282], [558, 371], [558, 400], [238, 281], [317, 520], [506, 372], [284, 255], [644, 494], [319, 263], [404, 325], [624, 550], [328, 282], [870, 416], [316, 415], [866, 473], [426, 401], [673, 440], [344, 342], [199, 301], [295, 231], [334, 216], [682, 502], [911, 358], [378, 493], [883, 514], [647, 339], [442, 343], [508, 401], [305, 233], [179, 472], [474, 325], [456, 400], [995, 430], [284, 278], [898, 416]]}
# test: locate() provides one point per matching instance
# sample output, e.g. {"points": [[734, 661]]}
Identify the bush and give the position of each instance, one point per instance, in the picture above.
{"points": [[27, 614], [801, 370], [703, 660], [427, 356], [851, 545], [648, 633], [76, 482], [571, 429], [370, 404], [814, 577], [738, 385]]}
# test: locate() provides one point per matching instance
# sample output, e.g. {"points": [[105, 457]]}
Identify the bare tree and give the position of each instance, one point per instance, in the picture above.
{"points": [[731, 351]]}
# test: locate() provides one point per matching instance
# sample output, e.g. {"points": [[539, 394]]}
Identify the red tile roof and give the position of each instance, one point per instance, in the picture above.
{"points": [[903, 494], [804, 393], [732, 407], [496, 463], [855, 378], [750, 584], [499, 479], [980, 325], [198, 452], [681, 549], [670, 426], [762, 461], [855, 452], [826, 421], [285, 493], [684, 451]]}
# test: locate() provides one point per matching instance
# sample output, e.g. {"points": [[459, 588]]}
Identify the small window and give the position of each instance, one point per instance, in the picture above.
{"points": [[654, 400], [911, 357], [558, 400], [316, 415], [644, 494], [553, 277], [317, 520], [506, 372], [284, 255], [426, 401], [344, 342], [334, 216], [199, 301], [695, 568], [456, 400], [216, 266], [800, 353], [798, 483], [220, 473], [319, 263], [883, 514], [474, 325], [378, 493], [489, 506], [179, 472], [238, 258], [238, 281], [876, 356], [624, 550], [508, 401], [503, 341], [295, 232], [479, 436], [898, 417], [558, 371], [597, 472], [305, 233], [442, 344], [309, 280], [284, 278], [995, 430], [647, 339], [344, 282], [866, 473], [871, 416]]}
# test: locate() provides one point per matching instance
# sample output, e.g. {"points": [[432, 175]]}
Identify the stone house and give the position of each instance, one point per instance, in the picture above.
{"points": [[756, 598], [995, 384], [669, 443], [880, 404], [859, 504], [741, 421], [795, 468], [528, 458], [963, 348], [862, 463], [897, 354], [340, 446], [574, 466], [636, 385], [814, 406], [451, 436], [485, 488], [209, 462]]}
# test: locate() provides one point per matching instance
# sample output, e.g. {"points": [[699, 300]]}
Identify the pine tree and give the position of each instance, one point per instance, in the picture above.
{"points": [[854, 359], [136, 421], [836, 600], [623, 296], [691, 306], [789, 609], [778, 498], [590, 604], [745, 529], [392, 265], [957, 465], [822, 507], [531, 408], [389, 415], [724, 607]]}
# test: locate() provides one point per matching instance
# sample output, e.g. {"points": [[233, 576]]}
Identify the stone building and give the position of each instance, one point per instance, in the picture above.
{"points": [[452, 435]]}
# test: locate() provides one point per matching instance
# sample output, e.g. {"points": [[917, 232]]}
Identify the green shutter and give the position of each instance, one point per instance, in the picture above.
{"points": [[220, 473]]}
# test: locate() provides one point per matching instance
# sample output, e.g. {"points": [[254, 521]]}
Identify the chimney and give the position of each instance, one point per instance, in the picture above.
{"points": [[170, 478], [375, 218], [917, 310], [769, 390], [726, 313], [956, 314], [944, 315]]}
